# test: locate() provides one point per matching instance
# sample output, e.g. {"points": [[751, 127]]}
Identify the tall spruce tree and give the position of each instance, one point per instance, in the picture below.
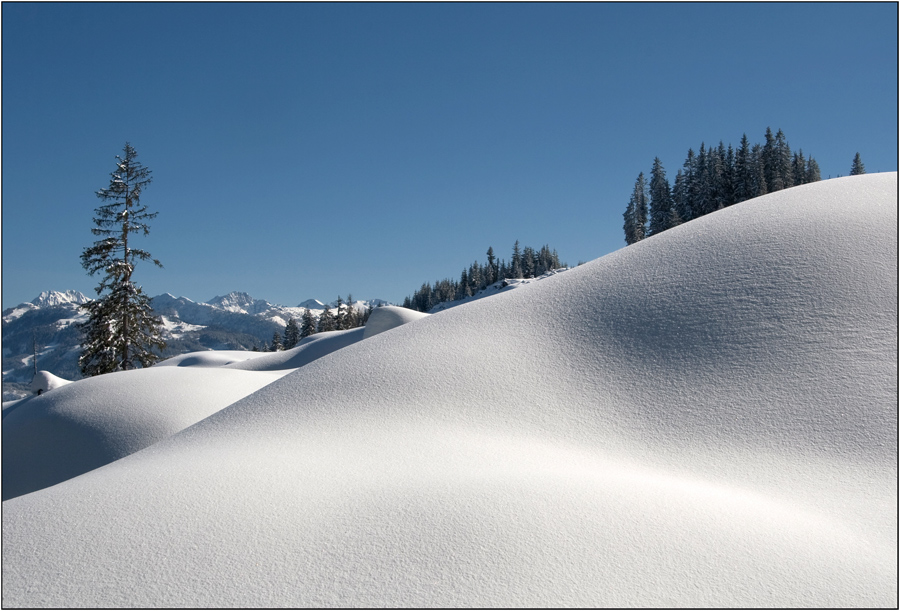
{"points": [[688, 210], [661, 210], [516, 261], [492, 271], [743, 172], [769, 161], [857, 167], [635, 225], [121, 331], [784, 178]]}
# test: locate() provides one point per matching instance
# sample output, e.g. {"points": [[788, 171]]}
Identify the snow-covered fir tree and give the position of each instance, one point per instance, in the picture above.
{"points": [[121, 332]]}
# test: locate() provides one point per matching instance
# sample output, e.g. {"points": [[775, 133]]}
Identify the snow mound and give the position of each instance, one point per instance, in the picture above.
{"points": [[88, 423], [210, 358], [308, 350], [44, 381], [707, 418], [385, 318], [316, 346]]}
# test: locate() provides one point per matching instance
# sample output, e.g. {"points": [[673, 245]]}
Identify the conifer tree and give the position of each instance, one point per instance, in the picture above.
{"points": [[516, 263], [339, 317], [813, 174], [326, 320], [743, 172], [291, 334], [857, 167], [352, 318], [679, 196], [688, 209], [702, 194], [768, 158], [798, 168], [121, 331], [636, 214], [307, 324], [759, 186], [660, 199], [783, 177], [491, 271], [276, 342], [528, 262]]}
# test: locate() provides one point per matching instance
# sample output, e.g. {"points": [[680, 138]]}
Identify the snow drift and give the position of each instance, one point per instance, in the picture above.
{"points": [[705, 418]]}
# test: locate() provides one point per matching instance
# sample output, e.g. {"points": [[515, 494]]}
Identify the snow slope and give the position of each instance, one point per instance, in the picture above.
{"points": [[77, 427], [705, 418]]}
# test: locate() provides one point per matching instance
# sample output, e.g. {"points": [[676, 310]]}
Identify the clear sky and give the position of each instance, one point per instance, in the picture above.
{"points": [[310, 150]]}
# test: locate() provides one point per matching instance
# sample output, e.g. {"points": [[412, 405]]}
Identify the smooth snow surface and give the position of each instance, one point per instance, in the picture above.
{"points": [[386, 318], [210, 358], [86, 424], [705, 418]]}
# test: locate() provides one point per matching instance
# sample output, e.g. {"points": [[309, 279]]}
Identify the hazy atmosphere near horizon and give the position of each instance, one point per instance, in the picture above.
{"points": [[310, 150]]}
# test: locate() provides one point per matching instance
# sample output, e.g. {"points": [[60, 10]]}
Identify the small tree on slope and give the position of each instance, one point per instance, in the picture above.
{"points": [[858, 167], [121, 331]]}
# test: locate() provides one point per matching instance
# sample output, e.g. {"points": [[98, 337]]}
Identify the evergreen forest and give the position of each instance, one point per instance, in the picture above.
{"points": [[714, 178], [525, 262]]}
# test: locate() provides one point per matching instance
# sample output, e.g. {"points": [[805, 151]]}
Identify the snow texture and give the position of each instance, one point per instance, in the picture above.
{"points": [[707, 418]]}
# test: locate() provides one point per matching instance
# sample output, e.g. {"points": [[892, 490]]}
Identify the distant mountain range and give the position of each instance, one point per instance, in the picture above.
{"points": [[235, 321]]}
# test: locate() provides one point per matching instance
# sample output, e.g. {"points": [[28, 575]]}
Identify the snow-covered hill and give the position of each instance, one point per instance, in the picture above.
{"points": [[707, 418]]}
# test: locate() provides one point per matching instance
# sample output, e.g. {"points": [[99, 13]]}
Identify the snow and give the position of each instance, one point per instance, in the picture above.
{"points": [[386, 318], [209, 358], [86, 424], [55, 298], [312, 304], [707, 418], [44, 381], [12, 314], [177, 329]]}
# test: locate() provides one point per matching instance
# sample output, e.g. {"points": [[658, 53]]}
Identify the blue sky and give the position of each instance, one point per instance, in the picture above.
{"points": [[312, 150]]}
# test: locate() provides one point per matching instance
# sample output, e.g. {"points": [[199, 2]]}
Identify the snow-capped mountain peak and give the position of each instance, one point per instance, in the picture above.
{"points": [[312, 304], [56, 298], [240, 302]]}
